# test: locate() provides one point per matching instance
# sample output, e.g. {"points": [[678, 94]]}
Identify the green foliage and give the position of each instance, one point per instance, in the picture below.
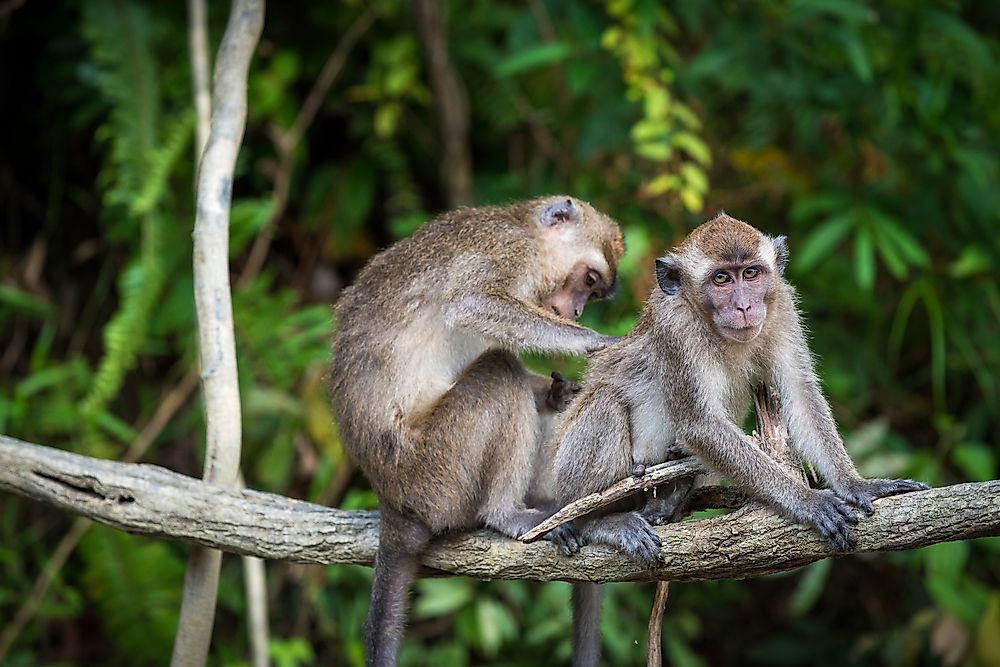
{"points": [[124, 71], [640, 37], [137, 584], [865, 132]]}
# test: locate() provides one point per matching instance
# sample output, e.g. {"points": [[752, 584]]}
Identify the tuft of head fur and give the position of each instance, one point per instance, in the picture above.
{"points": [[725, 239]]}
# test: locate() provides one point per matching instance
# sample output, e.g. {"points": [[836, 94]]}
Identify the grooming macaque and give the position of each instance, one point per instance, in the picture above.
{"points": [[720, 319], [430, 397]]}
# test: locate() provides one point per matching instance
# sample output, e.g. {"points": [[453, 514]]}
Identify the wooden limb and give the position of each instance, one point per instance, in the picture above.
{"points": [[654, 632], [198, 46], [653, 476], [255, 585], [749, 542], [772, 434], [213, 302]]}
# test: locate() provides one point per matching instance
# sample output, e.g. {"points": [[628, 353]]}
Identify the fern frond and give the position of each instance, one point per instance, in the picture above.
{"points": [[137, 583], [120, 37], [161, 163]]}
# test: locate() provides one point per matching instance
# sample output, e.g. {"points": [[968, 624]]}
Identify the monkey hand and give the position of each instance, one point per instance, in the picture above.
{"points": [[600, 342], [833, 518], [640, 541], [566, 538], [562, 392], [862, 492]]}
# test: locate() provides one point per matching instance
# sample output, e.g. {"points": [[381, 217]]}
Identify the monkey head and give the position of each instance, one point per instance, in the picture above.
{"points": [[581, 248], [726, 270]]}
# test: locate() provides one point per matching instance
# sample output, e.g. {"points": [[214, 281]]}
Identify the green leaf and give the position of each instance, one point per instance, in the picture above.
{"points": [[812, 206], [387, 118], [648, 130], [810, 587], [858, 57], [976, 460], [495, 624], [890, 254], [542, 55], [437, 597], [864, 259], [693, 146], [946, 559], [822, 242], [658, 151], [24, 302], [972, 260], [908, 246], [695, 177], [692, 199], [661, 184]]}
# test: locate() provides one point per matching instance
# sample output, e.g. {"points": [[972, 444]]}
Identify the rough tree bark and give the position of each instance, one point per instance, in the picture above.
{"points": [[749, 542], [216, 341]]}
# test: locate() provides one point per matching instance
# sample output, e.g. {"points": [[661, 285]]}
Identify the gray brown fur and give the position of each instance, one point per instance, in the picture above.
{"points": [[676, 379], [430, 397]]}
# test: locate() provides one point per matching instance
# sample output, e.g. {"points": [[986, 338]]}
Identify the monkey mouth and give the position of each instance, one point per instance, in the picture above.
{"points": [[741, 334]]}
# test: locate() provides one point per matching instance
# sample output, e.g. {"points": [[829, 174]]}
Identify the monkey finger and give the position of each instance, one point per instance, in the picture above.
{"points": [[564, 537], [838, 535], [891, 487], [849, 516]]}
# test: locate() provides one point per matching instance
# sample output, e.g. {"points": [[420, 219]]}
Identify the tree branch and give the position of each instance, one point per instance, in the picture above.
{"points": [[749, 542], [213, 301]]}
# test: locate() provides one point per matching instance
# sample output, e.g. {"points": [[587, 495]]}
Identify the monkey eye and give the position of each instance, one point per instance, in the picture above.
{"points": [[751, 272], [591, 278], [720, 278]]}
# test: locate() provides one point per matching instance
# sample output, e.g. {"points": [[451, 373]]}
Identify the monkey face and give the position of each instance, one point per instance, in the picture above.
{"points": [[583, 284], [735, 296]]}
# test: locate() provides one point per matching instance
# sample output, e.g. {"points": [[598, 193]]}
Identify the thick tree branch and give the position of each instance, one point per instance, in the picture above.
{"points": [[749, 542]]}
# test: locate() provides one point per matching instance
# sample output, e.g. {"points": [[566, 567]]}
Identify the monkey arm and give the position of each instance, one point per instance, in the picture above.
{"points": [[807, 413], [814, 432], [734, 455], [520, 325], [724, 448]]}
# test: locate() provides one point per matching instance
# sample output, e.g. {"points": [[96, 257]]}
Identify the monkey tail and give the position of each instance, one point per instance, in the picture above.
{"points": [[586, 624], [400, 543]]}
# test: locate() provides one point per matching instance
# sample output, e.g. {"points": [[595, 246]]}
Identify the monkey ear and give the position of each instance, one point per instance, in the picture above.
{"points": [[668, 275], [559, 213], [780, 254]]}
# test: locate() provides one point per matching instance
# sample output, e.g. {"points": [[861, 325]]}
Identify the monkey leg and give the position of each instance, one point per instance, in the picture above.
{"points": [[627, 531], [477, 450], [401, 541], [665, 502]]}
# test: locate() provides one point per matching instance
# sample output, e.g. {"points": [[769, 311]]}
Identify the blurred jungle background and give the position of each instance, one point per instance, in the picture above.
{"points": [[868, 133]]}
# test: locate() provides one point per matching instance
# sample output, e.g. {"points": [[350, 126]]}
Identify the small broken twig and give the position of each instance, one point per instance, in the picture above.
{"points": [[653, 476]]}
